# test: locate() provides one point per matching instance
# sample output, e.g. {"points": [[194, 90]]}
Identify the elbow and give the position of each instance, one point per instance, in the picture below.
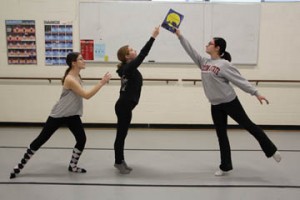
{"points": [[87, 97], [89, 94]]}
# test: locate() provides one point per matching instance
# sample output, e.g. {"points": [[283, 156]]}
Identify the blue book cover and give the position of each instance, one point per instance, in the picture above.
{"points": [[172, 20]]}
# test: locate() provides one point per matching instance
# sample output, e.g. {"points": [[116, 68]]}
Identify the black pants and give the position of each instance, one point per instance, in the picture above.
{"points": [[52, 124], [235, 110], [123, 109]]}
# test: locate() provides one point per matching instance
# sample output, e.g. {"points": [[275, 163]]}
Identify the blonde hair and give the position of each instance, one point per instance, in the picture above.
{"points": [[122, 52]]}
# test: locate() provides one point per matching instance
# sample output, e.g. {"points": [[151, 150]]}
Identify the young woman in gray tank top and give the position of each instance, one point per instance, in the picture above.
{"points": [[67, 111]]}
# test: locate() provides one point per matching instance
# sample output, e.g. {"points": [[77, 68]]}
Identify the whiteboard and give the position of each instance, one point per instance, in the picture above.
{"points": [[115, 24], [239, 26]]}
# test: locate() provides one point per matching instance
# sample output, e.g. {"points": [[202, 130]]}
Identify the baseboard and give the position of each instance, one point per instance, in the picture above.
{"points": [[153, 126]]}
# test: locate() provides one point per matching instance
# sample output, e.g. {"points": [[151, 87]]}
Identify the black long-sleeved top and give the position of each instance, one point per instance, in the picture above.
{"points": [[131, 78]]}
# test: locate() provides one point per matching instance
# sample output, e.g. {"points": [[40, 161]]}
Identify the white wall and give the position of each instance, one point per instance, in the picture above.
{"points": [[161, 103]]}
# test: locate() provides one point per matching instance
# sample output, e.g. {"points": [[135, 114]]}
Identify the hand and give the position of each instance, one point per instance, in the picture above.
{"points": [[261, 98], [155, 32], [177, 32], [106, 78]]}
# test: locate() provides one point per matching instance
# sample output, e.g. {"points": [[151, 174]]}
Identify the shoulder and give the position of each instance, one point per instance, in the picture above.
{"points": [[70, 81], [225, 63]]}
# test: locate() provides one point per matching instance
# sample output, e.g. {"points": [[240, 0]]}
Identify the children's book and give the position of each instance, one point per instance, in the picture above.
{"points": [[172, 20]]}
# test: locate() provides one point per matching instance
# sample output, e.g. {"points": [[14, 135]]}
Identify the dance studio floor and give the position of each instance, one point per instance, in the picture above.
{"points": [[170, 164]]}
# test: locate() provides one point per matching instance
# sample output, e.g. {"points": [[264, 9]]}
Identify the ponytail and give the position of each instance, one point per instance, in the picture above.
{"points": [[226, 56], [220, 42], [66, 73]]}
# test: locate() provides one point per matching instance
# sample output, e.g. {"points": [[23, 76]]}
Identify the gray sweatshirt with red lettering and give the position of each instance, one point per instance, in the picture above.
{"points": [[217, 74]]}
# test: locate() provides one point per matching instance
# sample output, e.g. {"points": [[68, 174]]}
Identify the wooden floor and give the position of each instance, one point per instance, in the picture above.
{"points": [[167, 164]]}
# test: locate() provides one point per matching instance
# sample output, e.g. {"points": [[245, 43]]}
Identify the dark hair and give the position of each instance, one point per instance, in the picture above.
{"points": [[220, 42], [71, 57], [122, 52]]}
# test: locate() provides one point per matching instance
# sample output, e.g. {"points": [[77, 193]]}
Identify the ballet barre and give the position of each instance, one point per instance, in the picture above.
{"points": [[254, 80], [50, 79], [167, 80]]}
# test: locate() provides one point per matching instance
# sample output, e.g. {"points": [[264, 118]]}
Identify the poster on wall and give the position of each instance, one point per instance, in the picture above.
{"points": [[21, 42], [99, 51], [92, 50], [87, 49], [58, 42]]}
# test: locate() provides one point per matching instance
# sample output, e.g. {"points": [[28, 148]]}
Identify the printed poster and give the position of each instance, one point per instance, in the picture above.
{"points": [[172, 20], [58, 42], [87, 49], [21, 42], [99, 51], [92, 50]]}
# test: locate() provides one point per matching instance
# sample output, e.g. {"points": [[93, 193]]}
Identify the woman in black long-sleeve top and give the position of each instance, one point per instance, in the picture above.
{"points": [[130, 91]]}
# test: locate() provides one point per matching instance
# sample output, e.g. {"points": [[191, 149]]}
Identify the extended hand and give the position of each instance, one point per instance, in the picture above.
{"points": [[155, 32], [106, 78], [177, 32], [261, 99]]}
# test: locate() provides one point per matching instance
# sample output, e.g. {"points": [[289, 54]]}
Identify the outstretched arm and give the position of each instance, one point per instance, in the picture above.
{"points": [[194, 55], [232, 74], [72, 84], [155, 32], [144, 52]]}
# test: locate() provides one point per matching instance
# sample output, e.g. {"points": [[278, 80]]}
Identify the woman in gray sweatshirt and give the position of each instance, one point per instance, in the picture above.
{"points": [[217, 72]]}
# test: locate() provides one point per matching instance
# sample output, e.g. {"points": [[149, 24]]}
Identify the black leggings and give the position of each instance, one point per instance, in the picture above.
{"points": [[52, 124], [123, 109], [235, 110]]}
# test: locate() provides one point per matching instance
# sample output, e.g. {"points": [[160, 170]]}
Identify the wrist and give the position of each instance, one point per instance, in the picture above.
{"points": [[101, 83], [256, 93]]}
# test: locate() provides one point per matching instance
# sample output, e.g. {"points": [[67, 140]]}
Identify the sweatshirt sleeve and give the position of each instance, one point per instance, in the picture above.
{"points": [[134, 64], [198, 59], [233, 75]]}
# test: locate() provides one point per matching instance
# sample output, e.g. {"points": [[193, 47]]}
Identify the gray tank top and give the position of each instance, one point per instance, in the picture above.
{"points": [[69, 104]]}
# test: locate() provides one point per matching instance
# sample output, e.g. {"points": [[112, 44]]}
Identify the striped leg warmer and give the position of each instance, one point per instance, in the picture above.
{"points": [[74, 160], [17, 169]]}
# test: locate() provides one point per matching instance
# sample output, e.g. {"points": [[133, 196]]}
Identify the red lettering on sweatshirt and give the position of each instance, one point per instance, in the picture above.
{"points": [[213, 69]]}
